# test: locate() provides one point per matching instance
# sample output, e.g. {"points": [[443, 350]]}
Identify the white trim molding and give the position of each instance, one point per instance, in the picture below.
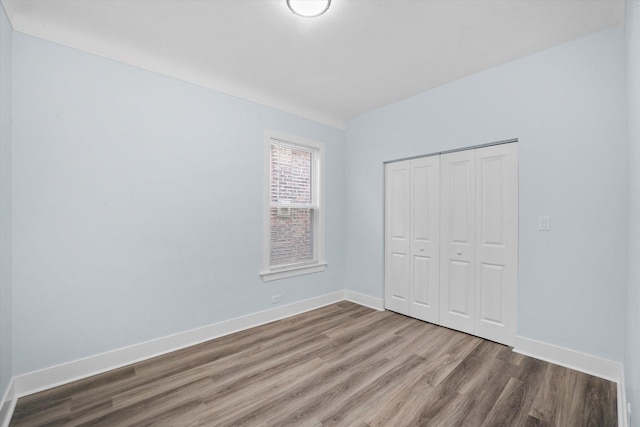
{"points": [[366, 300], [268, 276], [8, 404], [43, 379], [592, 365], [571, 359], [623, 414]]}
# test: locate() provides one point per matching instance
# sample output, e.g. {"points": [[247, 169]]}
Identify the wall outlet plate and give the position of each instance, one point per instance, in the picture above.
{"points": [[275, 299], [544, 223]]}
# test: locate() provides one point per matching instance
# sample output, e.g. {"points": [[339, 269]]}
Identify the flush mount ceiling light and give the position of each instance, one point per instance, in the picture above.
{"points": [[308, 8]]}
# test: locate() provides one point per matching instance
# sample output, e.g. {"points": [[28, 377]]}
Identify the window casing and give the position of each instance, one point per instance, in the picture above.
{"points": [[293, 241]]}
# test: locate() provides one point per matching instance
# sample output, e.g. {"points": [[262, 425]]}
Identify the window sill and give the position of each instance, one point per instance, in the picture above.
{"points": [[268, 276]]}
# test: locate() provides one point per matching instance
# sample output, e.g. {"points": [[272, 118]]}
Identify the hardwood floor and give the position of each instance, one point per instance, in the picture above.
{"points": [[339, 365]]}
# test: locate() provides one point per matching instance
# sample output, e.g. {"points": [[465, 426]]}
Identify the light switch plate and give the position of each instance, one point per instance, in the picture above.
{"points": [[544, 223]]}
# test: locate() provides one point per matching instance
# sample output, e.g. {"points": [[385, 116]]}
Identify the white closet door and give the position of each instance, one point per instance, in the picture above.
{"points": [[397, 236], [425, 239], [497, 240], [457, 240]]}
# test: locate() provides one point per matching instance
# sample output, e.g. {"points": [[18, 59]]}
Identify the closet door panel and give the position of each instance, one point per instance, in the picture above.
{"points": [[425, 242], [457, 240], [421, 294], [490, 301], [496, 234], [460, 280], [397, 236]]}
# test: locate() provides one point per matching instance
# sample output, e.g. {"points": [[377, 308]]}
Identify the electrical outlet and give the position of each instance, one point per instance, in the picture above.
{"points": [[544, 223], [275, 299]]}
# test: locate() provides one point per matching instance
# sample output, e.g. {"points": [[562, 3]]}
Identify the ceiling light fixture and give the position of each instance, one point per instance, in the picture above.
{"points": [[309, 8]]}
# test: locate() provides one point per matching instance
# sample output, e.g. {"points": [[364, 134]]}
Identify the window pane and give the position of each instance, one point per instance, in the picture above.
{"points": [[291, 236], [290, 175]]}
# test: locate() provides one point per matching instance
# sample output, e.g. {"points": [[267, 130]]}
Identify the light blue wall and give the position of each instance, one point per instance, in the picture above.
{"points": [[632, 354], [138, 205], [6, 35], [566, 105]]}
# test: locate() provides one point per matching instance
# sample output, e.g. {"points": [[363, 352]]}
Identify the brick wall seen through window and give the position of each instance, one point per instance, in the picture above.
{"points": [[292, 206]]}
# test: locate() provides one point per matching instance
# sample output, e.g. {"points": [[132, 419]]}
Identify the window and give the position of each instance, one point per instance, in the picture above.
{"points": [[294, 235]]}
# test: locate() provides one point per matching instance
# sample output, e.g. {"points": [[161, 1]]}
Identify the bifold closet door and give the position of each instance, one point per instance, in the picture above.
{"points": [[397, 236], [458, 240], [451, 240], [496, 242], [425, 239], [412, 248]]}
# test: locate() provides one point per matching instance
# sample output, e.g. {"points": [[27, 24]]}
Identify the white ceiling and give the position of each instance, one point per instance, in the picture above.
{"points": [[360, 55]]}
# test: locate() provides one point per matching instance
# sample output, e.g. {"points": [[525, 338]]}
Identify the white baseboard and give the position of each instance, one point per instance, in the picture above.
{"points": [[366, 300], [623, 416], [592, 365], [8, 404], [572, 359], [43, 379]]}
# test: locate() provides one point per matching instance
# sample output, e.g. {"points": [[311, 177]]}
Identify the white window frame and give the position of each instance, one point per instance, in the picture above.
{"points": [[269, 273]]}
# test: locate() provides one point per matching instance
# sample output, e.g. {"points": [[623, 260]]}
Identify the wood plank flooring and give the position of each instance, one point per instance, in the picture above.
{"points": [[342, 365]]}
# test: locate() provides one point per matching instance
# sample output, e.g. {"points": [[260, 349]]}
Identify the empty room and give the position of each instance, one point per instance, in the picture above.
{"points": [[320, 212]]}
